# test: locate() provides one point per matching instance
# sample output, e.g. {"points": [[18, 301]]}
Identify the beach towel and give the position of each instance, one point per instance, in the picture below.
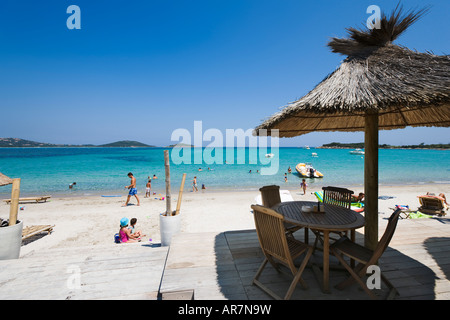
{"points": [[319, 195], [401, 207], [356, 206], [418, 215], [285, 195], [386, 197]]}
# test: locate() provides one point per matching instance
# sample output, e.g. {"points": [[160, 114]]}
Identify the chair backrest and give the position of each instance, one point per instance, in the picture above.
{"points": [[337, 196], [386, 238], [431, 203], [271, 234], [270, 195]]}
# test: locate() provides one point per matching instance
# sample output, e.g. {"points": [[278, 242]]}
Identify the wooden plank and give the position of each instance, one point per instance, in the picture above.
{"points": [[102, 270], [178, 295]]}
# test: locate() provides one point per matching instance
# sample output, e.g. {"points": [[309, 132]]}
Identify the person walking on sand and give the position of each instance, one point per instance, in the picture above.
{"points": [[194, 184], [132, 188], [303, 185]]}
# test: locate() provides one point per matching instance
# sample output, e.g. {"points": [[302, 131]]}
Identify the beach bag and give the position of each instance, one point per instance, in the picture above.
{"points": [[116, 238], [401, 207]]}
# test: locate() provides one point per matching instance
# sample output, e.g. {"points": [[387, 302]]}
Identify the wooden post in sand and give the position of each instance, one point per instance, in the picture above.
{"points": [[371, 180], [14, 206], [180, 194], [168, 196]]}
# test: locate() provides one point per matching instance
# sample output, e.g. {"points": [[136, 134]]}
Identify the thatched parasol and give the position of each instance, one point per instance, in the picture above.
{"points": [[378, 86], [4, 180]]}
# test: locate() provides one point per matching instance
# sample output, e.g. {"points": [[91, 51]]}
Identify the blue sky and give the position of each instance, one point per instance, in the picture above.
{"points": [[138, 70]]}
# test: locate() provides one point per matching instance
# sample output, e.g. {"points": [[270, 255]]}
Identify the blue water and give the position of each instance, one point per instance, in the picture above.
{"points": [[104, 170]]}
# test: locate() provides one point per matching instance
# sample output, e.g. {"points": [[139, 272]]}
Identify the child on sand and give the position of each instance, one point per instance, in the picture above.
{"points": [[148, 188], [303, 185], [125, 233], [133, 231]]}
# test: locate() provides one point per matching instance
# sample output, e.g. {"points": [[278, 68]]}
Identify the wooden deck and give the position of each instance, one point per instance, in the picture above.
{"points": [[128, 271], [219, 266], [222, 266]]}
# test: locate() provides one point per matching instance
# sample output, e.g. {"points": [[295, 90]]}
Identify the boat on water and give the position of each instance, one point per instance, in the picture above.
{"points": [[314, 154], [357, 151], [306, 170], [269, 155]]}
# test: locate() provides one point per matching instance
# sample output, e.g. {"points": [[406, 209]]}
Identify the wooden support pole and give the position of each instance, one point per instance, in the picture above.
{"points": [[371, 180], [180, 194], [168, 195], [14, 206]]}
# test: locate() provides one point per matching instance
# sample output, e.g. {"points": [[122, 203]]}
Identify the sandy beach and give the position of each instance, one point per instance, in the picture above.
{"points": [[93, 220]]}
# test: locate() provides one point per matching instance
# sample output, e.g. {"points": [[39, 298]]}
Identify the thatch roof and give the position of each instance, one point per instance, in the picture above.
{"points": [[4, 180], [405, 87]]}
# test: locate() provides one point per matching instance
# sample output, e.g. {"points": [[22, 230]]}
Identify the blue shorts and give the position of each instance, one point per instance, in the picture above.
{"points": [[133, 192]]}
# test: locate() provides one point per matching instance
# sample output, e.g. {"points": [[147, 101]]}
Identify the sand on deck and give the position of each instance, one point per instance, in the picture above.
{"points": [[93, 220]]}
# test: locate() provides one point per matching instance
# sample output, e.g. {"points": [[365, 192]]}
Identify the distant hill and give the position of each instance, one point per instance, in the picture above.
{"points": [[360, 145], [126, 144], [181, 145], [18, 143], [338, 145]]}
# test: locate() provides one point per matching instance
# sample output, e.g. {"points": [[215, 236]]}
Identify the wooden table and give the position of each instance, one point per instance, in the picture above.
{"points": [[333, 219]]}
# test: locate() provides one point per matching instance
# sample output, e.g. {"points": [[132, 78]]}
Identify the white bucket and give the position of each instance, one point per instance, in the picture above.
{"points": [[11, 241], [168, 226]]}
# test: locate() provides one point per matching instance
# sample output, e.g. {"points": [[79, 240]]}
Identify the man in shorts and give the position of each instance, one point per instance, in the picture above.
{"points": [[132, 188]]}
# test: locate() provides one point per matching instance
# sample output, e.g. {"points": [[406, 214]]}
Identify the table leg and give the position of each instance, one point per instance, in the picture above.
{"points": [[353, 238], [306, 236], [326, 261]]}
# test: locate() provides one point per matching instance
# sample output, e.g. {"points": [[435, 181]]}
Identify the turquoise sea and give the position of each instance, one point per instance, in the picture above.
{"points": [[104, 170]]}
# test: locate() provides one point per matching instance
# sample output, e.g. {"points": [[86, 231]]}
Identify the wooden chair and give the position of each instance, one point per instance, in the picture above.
{"points": [[336, 196], [365, 257], [270, 196], [432, 205], [278, 248]]}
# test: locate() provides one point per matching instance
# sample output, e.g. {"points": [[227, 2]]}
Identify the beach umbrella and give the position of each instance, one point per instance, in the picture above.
{"points": [[378, 86], [4, 180]]}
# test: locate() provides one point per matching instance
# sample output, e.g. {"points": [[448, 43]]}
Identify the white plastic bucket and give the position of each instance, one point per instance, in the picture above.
{"points": [[168, 226], [11, 241]]}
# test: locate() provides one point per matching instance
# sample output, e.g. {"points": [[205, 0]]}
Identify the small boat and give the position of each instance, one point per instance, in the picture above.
{"points": [[357, 151], [269, 155], [306, 170], [314, 154]]}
